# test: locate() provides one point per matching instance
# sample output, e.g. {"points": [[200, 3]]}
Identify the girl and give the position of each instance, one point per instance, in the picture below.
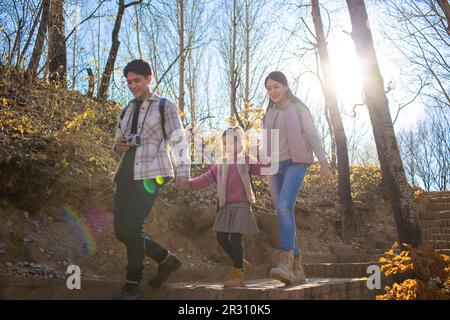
{"points": [[298, 139], [235, 195]]}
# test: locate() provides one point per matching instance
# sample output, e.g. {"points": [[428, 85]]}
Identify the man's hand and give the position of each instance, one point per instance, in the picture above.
{"points": [[182, 183], [121, 145], [324, 172]]}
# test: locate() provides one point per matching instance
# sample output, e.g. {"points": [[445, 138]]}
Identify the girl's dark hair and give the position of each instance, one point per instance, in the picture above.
{"points": [[238, 133], [138, 66], [279, 77]]}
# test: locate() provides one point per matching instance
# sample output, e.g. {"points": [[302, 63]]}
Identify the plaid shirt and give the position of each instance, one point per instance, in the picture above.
{"points": [[155, 157]]}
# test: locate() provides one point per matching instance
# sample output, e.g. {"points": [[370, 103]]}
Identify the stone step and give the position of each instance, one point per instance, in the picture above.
{"points": [[439, 199], [437, 194], [337, 270], [352, 258], [439, 244], [259, 289], [442, 237], [443, 251], [445, 214], [380, 252], [439, 206], [435, 223], [435, 230], [385, 245]]}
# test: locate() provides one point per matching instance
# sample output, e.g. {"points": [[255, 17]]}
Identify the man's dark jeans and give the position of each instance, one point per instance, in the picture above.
{"points": [[133, 204]]}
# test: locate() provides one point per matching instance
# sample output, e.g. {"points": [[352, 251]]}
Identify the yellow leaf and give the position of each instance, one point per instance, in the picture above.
{"points": [[64, 163]]}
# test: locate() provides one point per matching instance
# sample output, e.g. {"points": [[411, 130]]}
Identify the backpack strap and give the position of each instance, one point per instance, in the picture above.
{"points": [[162, 103], [122, 113]]}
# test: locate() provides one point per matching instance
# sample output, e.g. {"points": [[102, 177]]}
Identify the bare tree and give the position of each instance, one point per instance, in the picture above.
{"points": [[243, 29], [408, 228], [181, 32], [115, 43], [57, 54], [425, 151], [422, 38], [138, 28], [196, 31], [74, 50], [153, 33], [228, 43], [36, 19], [40, 39], [18, 24], [349, 225], [233, 61], [445, 6]]}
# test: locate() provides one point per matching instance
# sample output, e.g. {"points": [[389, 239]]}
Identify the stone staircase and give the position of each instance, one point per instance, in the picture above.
{"points": [[339, 276], [260, 289], [435, 221]]}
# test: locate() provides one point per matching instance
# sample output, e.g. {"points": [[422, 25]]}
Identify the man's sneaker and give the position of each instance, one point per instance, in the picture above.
{"points": [[130, 291], [169, 265]]}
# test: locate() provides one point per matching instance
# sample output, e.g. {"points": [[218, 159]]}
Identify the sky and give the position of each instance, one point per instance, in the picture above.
{"points": [[341, 48]]}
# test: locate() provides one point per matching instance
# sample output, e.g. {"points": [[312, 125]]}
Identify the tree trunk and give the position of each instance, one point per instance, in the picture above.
{"points": [[91, 81], [103, 90], [192, 79], [138, 27], [57, 55], [247, 62], [446, 8], [17, 41], [74, 51], [234, 81], [154, 61], [344, 190], [180, 4], [30, 36], [408, 228], [333, 161]]}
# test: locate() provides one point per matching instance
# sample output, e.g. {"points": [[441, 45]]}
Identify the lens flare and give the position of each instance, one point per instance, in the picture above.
{"points": [[84, 233]]}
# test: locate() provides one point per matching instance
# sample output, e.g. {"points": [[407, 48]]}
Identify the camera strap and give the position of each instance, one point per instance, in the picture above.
{"points": [[161, 105]]}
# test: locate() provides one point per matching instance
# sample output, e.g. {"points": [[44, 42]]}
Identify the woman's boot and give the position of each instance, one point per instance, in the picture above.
{"points": [[299, 273], [235, 278], [284, 271]]}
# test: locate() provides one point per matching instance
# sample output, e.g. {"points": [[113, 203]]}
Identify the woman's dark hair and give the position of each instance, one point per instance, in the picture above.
{"points": [[138, 66], [279, 77]]}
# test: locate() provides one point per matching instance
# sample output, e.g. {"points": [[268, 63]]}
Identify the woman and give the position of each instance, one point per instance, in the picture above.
{"points": [[298, 139]]}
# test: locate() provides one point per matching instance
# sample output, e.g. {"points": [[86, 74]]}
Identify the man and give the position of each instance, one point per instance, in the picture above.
{"points": [[147, 129]]}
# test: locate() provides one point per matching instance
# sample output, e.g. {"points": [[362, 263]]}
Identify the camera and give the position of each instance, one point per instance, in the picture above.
{"points": [[133, 140]]}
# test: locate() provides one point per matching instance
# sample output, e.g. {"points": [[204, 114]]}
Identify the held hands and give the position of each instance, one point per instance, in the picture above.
{"points": [[182, 183], [324, 172], [121, 145]]}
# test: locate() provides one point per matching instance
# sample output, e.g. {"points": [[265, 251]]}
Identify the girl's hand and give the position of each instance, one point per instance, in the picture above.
{"points": [[185, 186], [324, 172]]}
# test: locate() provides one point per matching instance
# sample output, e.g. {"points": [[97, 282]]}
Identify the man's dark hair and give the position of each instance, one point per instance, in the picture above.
{"points": [[138, 66]]}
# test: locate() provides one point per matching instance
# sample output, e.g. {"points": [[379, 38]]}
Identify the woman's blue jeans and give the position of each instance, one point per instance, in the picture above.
{"points": [[284, 188]]}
